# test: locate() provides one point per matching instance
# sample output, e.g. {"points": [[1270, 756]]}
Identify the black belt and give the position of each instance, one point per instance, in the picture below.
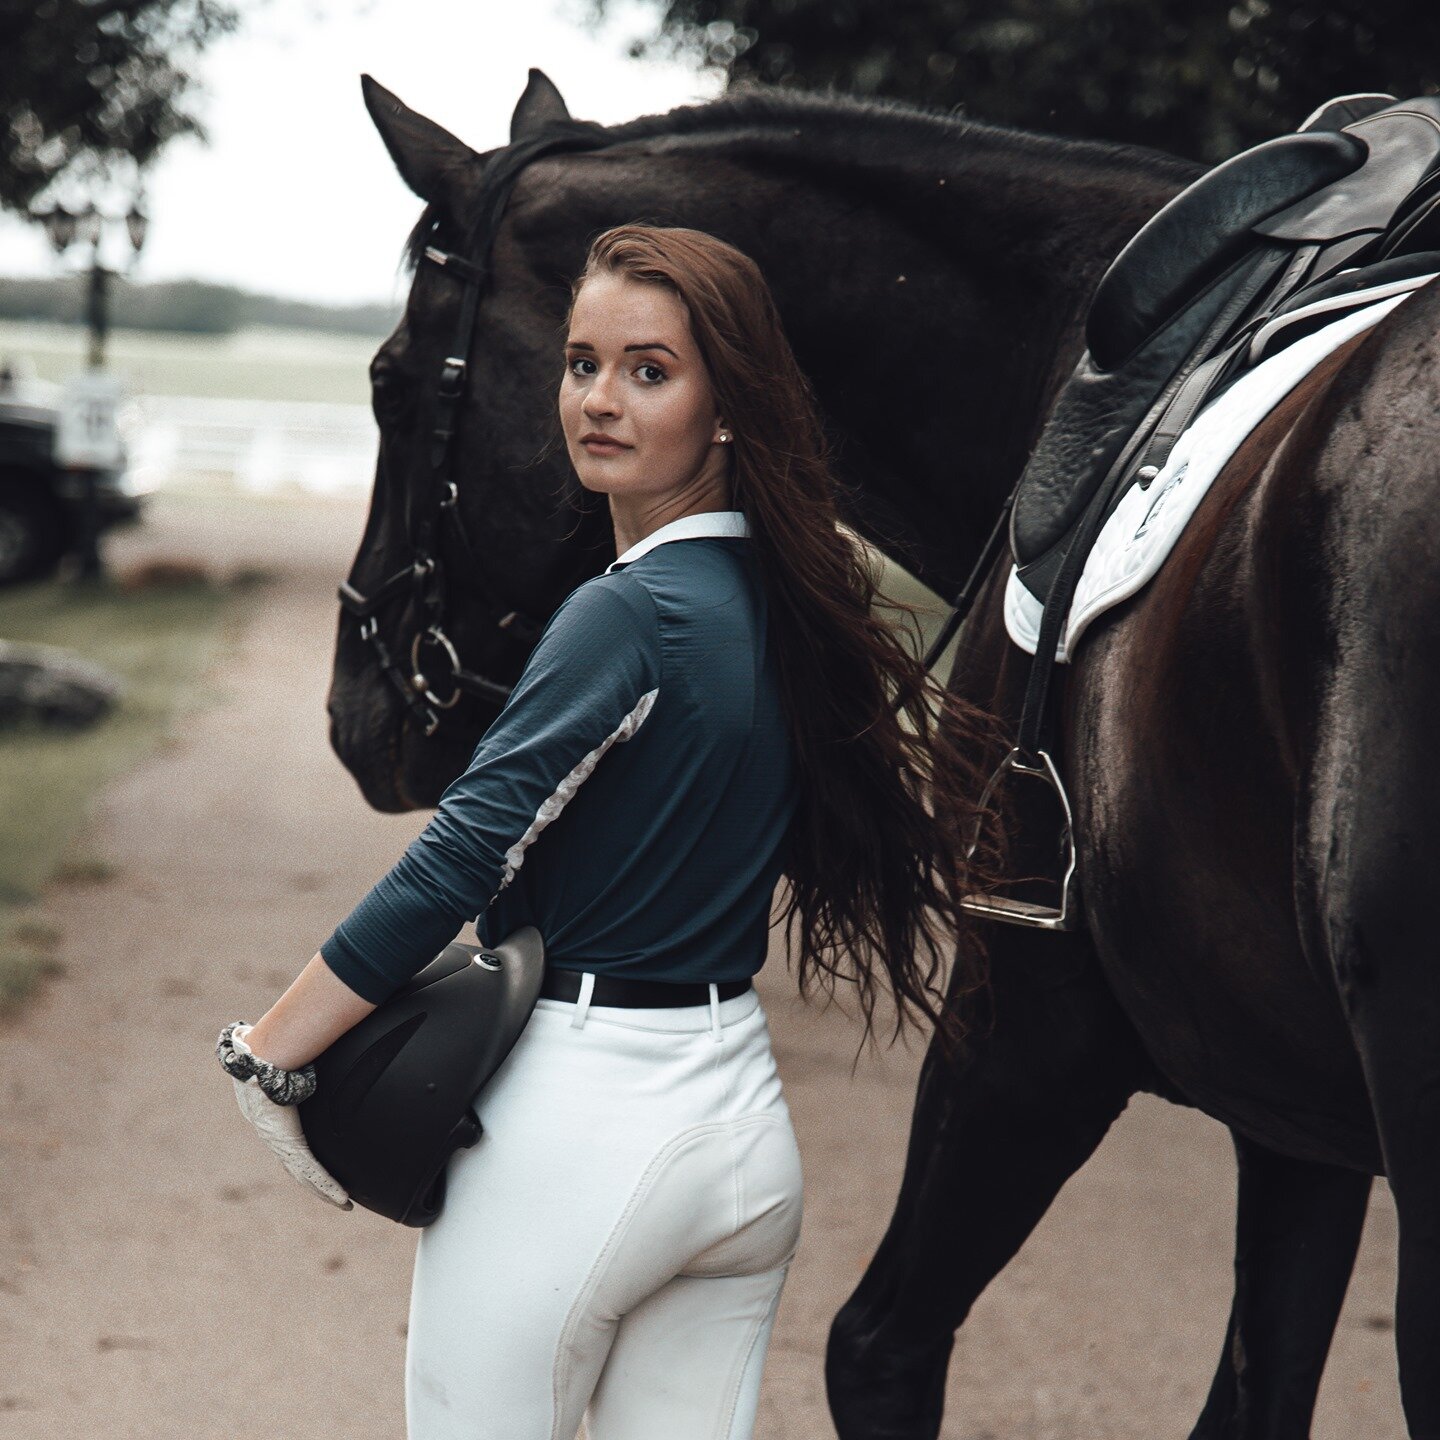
{"points": [[634, 992]]}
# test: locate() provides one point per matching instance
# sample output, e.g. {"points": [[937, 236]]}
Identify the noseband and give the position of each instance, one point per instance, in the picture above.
{"points": [[422, 578]]}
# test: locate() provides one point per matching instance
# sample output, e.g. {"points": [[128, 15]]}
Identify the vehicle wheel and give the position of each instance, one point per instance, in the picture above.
{"points": [[32, 534]]}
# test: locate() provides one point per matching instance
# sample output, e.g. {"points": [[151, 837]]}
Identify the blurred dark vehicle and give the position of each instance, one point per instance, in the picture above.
{"points": [[42, 504]]}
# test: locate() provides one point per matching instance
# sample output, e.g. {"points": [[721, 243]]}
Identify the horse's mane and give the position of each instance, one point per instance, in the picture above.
{"points": [[921, 136]]}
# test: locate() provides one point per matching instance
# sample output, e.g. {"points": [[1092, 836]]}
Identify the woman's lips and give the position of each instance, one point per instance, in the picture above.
{"points": [[604, 447]]}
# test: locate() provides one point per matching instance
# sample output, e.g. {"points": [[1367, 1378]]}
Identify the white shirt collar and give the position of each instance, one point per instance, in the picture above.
{"points": [[687, 527]]}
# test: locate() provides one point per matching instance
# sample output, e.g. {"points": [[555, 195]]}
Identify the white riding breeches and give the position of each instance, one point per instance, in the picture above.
{"points": [[615, 1244]]}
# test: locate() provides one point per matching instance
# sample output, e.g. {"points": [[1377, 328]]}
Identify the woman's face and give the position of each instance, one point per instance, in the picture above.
{"points": [[633, 373]]}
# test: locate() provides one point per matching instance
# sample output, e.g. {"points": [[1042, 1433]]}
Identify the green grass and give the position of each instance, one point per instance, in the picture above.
{"points": [[257, 363], [158, 641]]}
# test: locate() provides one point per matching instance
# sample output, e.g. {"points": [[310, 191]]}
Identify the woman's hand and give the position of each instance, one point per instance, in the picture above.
{"points": [[279, 1124], [275, 1075]]}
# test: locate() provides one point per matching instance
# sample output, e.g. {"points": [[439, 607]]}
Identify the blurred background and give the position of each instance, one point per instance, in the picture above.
{"points": [[198, 179], [200, 236]]}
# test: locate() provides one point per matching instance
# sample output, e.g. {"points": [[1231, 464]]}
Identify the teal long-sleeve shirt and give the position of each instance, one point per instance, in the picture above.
{"points": [[633, 798]]}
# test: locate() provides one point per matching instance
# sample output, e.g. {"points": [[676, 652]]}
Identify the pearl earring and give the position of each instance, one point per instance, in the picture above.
{"points": [[724, 434]]}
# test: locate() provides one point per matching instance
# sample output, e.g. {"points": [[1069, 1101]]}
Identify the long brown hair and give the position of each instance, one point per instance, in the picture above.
{"points": [[874, 868]]}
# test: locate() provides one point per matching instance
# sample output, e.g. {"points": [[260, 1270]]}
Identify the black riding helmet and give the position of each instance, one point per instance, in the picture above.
{"points": [[394, 1095]]}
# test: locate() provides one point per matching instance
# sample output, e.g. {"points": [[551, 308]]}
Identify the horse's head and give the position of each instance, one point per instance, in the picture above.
{"points": [[897, 244], [472, 538]]}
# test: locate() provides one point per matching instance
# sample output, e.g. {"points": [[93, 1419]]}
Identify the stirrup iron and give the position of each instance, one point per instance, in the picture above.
{"points": [[1027, 912]]}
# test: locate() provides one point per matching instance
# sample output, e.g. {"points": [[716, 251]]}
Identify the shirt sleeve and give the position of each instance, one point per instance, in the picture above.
{"points": [[588, 684]]}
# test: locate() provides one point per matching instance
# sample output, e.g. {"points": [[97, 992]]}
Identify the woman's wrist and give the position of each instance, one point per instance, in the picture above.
{"points": [[238, 1060], [308, 1018]]}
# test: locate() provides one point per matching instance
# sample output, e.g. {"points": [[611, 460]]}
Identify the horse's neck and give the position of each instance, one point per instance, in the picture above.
{"points": [[933, 277]]}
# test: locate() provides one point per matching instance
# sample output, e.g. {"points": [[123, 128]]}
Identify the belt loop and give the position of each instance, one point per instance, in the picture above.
{"points": [[582, 1001], [715, 1012]]}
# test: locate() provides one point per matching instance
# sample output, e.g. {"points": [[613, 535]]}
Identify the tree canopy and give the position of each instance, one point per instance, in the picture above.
{"points": [[86, 84], [1198, 78]]}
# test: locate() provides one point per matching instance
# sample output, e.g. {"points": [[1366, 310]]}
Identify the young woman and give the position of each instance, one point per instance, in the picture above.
{"points": [[718, 709]]}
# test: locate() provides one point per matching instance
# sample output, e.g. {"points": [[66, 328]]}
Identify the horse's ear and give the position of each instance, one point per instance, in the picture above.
{"points": [[541, 104], [431, 161]]}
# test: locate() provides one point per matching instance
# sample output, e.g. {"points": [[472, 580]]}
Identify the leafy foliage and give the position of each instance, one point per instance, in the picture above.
{"points": [[1198, 78], [85, 83]]}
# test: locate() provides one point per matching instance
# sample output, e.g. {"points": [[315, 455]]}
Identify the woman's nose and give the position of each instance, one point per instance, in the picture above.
{"points": [[598, 399]]}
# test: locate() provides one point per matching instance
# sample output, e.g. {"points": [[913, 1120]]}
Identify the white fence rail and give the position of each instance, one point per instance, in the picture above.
{"points": [[260, 447]]}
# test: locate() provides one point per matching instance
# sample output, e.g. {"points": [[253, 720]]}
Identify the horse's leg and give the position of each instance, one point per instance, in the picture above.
{"points": [[1385, 953], [1297, 1229], [1367, 877], [1368, 865], [1389, 971], [992, 1140]]}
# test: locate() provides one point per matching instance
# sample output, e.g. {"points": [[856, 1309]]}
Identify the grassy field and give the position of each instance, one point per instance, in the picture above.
{"points": [[158, 641], [253, 364]]}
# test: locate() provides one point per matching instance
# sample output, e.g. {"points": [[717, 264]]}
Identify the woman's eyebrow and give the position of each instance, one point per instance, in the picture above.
{"points": [[648, 345]]}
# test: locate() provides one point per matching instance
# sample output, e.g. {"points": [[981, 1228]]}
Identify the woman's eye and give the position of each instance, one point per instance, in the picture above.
{"points": [[654, 377]]}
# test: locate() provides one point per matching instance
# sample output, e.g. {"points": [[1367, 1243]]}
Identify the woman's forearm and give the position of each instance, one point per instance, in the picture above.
{"points": [[308, 1018]]}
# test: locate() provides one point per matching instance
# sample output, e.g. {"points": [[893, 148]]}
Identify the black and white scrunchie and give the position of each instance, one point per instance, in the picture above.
{"points": [[284, 1087]]}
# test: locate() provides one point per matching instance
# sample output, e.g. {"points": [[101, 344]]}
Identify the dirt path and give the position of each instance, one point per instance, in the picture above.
{"points": [[162, 1278]]}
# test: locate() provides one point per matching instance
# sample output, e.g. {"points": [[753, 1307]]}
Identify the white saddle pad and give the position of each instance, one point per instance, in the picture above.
{"points": [[1144, 526]]}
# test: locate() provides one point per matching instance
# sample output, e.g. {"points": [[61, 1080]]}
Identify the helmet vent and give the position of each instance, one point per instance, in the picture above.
{"points": [[353, 1089]]}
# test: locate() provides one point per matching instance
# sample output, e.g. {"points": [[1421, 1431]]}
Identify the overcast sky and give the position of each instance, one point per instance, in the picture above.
{"points": [[296, 195]]}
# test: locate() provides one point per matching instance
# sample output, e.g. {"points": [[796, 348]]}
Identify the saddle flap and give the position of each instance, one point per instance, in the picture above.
{"points": [[1202, 230], [1092, 421]]}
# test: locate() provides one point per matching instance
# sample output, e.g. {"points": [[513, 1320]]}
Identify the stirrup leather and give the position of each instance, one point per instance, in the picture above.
{"points": [[1027, 912]]}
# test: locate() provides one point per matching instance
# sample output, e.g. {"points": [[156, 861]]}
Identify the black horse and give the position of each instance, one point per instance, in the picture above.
{"points": [[933, 274]]}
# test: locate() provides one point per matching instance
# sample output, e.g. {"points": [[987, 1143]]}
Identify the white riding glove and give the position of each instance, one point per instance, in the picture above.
{"points": [[279, 1125]]}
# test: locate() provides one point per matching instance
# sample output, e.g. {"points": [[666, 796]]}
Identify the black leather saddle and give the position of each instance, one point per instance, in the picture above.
{"points": [[1357, 186], [1224, 275]]}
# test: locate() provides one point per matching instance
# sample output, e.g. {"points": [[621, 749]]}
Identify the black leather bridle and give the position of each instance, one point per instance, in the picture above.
{"points": [[423, 576]]}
